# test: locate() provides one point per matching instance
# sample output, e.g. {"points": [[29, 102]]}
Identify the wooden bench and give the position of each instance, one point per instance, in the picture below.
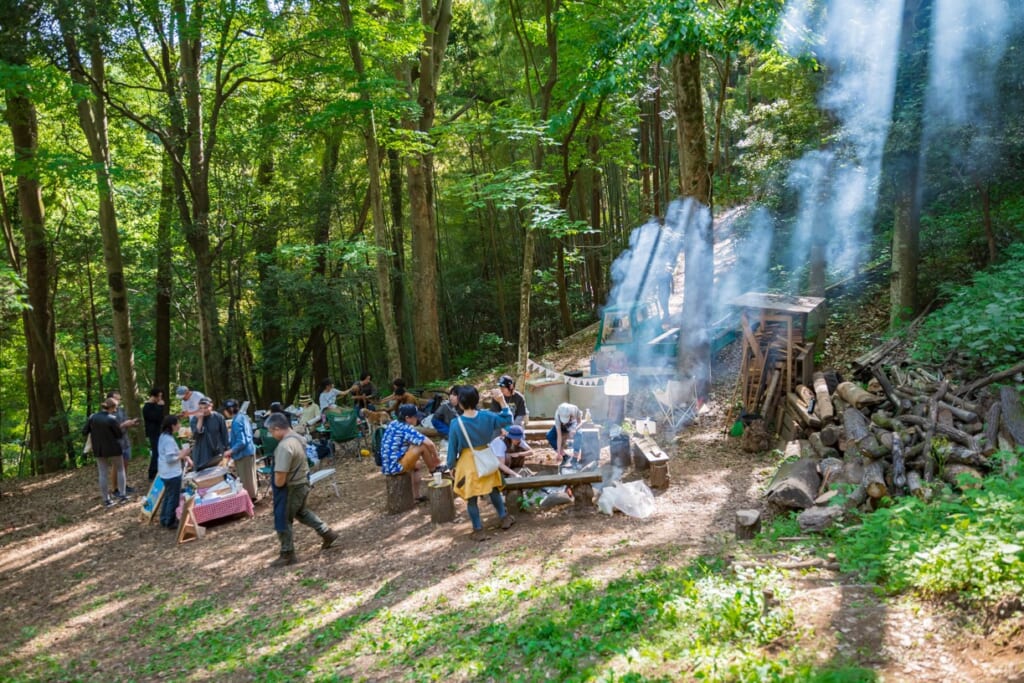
{"points": [[581, 483], [648, 455]]}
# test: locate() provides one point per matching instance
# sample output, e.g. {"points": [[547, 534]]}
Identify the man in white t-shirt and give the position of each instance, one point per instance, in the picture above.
{"points": [[189, 401]]}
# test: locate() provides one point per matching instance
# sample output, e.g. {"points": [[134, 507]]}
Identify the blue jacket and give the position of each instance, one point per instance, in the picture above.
{"points": [[482, 428], [242, 445]]}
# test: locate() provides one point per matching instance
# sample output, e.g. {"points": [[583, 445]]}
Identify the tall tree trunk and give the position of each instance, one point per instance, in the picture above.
{"points": [[398, 257], [164, 281], [92, 118], [321, 236], [436, 22], [273, 343], [196, 224], [986, 220], [694, 356], [380, 229], [48, 422], [595, 268], [904, 160]]}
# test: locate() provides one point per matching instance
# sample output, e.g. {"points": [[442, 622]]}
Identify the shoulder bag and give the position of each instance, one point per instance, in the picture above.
{"points": [[485, 459]]}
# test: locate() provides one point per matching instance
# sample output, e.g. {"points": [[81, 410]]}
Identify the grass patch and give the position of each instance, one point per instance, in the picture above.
{"points": [[971, 545]]}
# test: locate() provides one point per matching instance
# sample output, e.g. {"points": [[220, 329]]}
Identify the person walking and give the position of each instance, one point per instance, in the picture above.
{"points": [[105, 432], [242, 448], [291, 489], [475, 429], [153, 412], [169, 462], [126, 442]]}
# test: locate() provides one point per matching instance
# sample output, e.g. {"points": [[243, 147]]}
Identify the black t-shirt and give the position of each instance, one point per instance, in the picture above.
{"points": [[153, 416], [516, 404]]}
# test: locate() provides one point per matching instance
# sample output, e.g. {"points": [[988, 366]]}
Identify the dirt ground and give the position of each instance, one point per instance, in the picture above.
{"points": [[73, 575]]}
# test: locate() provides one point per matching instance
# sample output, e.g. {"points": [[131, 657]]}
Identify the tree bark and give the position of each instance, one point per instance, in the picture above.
{"points": [[694, 356], [436, 22], [325, 201], [92, 118], [164, 281], [48, 426], [380, 231]]}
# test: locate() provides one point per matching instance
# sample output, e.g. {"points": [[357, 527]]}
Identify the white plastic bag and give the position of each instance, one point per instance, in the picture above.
{"points": [[633, 498]]}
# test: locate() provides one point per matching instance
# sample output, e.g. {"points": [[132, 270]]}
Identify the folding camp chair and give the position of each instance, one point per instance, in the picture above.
{"points": [[265, 462], [345, 430], [678, 403]]}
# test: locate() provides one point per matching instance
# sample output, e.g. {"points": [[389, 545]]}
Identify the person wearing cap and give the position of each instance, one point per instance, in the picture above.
{"points": [[189, 401], [210, 432], [402, 448], [310, 415], [241, 447], [512, 441], [516, 401], [568, 419], [291, 490]]}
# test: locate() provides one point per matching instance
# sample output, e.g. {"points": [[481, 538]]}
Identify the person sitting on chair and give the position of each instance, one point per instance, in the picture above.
{"points": [[440, 421], [310, 416], [402, 447]]}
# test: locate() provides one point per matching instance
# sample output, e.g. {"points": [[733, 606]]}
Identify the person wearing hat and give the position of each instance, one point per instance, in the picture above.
{"points": [[512, 441], [568, 418], [516, 401], [210, 432], [402, 448], [189, 401], [241, 447], [310, 415]]}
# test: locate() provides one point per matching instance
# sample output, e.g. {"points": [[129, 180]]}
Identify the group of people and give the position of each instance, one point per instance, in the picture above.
{"points": [[404, 446]]}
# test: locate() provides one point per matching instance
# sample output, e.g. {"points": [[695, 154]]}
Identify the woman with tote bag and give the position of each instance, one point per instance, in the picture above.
{"points": [[471, 432]]}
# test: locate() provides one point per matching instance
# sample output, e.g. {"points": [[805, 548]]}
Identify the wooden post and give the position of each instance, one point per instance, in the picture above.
{"points": [[512, 501], [442, 502], [583, 495], [748, 524], [659, 475], [399, 493]]}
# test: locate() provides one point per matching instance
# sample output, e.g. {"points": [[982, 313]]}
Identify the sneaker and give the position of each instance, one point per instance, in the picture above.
{"points": [[109, 503], [284, 560], [121, 499], [507, 522], [328, 539], [479, 535], [129, 490]]}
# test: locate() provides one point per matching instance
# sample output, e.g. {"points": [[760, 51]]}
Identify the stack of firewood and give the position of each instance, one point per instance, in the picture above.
{"points": [[908, 428]]}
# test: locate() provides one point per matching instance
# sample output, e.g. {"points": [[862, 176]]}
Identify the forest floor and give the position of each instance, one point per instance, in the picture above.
{"points": [[93, 594], [88, 593]]}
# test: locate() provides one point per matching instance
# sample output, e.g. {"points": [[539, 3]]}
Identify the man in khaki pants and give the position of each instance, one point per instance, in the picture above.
{"points": [[291, 488]]}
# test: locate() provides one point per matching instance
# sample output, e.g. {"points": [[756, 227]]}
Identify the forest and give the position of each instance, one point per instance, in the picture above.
{"points": [[247, 197]]}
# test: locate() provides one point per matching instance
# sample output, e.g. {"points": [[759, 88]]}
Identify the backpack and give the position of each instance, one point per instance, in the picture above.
{"points": [[378, 439]]}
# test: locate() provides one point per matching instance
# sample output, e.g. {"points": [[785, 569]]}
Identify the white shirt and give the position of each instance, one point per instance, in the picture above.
{"points": [[168, 465], [191, 404], [327, 398], [498, 446]]}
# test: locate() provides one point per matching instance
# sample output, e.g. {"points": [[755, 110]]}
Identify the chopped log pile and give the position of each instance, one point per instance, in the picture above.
{"points": [[908, 428]]}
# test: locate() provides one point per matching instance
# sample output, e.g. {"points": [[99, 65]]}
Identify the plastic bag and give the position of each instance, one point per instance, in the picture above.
{"points": [[633, 498]]}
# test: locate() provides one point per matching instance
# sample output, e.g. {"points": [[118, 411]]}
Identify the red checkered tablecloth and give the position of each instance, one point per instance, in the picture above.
{"points": [[234, 504]]}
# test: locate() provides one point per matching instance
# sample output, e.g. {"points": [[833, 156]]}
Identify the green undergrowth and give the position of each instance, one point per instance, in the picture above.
{"points": [[702, 621], [966, 546], [982, 324]]}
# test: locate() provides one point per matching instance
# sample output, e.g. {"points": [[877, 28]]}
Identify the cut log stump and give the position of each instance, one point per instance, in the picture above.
{"points": [[795, 485], [442, 502], [748, 524], [818, 518], [399, 493]]}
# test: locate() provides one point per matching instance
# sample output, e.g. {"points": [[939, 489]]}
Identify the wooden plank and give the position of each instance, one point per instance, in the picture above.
{"points": [[778, 302], [544, 480], [650, 450]]}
